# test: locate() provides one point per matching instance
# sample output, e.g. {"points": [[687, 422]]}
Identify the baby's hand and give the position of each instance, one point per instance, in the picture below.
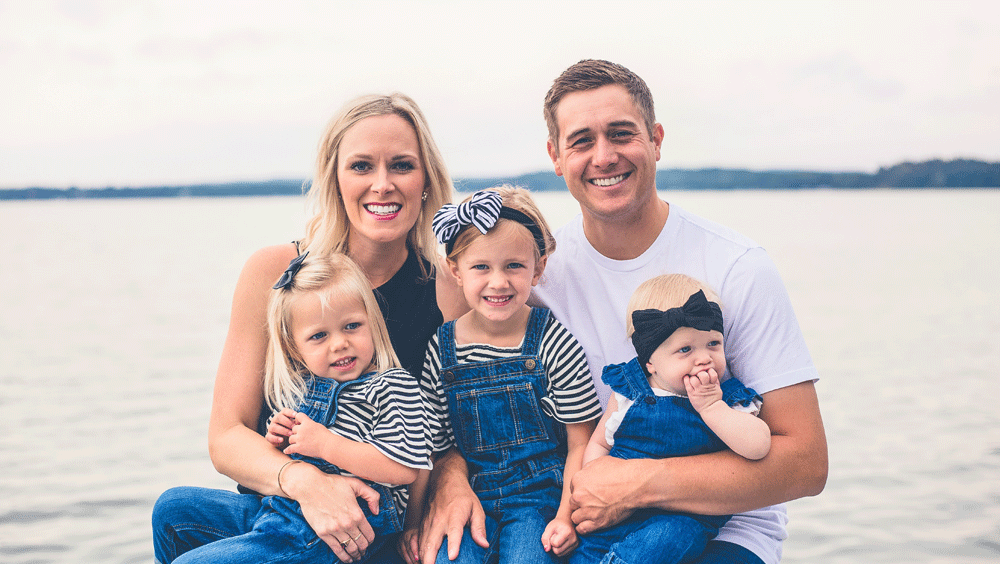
{"points": [[703, 389], [307, 438], [280, 427], [560, 537]]}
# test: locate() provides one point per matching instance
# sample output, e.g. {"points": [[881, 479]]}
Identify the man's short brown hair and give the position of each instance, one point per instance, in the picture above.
{"points": [[589, 74]]}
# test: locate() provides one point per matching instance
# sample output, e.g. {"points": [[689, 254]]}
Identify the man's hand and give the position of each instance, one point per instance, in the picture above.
{"points": [[602, 491], [451, 507]]}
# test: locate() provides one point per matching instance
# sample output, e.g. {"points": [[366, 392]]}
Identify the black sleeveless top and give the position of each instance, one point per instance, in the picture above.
{"points": [[409, 307]]}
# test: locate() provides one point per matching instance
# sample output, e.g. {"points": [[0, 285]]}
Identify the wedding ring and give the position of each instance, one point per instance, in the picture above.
{"points": [[355, 539]]}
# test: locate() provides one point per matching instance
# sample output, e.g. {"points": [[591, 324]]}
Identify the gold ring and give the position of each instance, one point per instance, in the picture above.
{"points": [[345, 543], [355, 539]]}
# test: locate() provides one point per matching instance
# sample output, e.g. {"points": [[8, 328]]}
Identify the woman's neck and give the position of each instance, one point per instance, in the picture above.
{"points": [[474, 328], [379, 261]]}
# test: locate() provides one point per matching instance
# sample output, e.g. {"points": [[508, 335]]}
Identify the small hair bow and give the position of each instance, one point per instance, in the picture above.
{"points": [[653, 326], [482, 210], [289, 274]]}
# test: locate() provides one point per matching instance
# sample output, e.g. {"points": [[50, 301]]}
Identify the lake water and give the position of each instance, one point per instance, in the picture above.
{"points": [[113, 315]]}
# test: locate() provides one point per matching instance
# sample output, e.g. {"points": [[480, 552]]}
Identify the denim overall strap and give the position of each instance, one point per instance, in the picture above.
{"points": [[510, 443], [661, 426]]}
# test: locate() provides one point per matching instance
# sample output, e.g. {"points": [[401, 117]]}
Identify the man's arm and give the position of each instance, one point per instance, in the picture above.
{"points": [[452, 506], [608, 490]]}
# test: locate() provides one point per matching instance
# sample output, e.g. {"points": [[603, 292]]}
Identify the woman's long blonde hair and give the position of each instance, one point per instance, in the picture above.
{"points": [[334, 278], [329, 227]]}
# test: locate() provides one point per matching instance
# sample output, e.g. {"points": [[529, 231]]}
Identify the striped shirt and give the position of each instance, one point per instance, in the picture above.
{"points": [[570, 396], [387, 412]]}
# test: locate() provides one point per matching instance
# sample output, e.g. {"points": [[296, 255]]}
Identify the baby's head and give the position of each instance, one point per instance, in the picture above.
{"points": [[322, 320], [675, 323]]}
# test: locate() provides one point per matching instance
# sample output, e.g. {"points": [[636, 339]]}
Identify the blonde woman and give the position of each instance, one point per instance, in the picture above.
{"points": [[379, 179]]}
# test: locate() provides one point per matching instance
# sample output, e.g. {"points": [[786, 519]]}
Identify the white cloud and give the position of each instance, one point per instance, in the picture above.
{"points": [[100, 93]]}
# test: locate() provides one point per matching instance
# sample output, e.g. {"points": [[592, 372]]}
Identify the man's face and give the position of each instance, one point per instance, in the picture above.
{"points": [[605, 153]]}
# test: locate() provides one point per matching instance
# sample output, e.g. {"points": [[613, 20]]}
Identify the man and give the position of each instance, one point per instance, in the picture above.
{"points": [[603, 140]]}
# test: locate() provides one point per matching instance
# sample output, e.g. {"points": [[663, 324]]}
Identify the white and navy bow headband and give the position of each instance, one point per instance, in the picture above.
{"points": [[482, 210]]}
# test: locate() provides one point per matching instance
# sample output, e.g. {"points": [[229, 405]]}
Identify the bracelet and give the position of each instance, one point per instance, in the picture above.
{"points": [[282, 469]]}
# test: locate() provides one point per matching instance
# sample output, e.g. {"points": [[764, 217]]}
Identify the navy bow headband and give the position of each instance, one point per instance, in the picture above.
{"points": [[482, 210], [653, 326], [289, 274]]}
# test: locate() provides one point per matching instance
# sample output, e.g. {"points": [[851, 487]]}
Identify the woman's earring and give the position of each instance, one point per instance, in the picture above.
{"points": [[423, 198]]}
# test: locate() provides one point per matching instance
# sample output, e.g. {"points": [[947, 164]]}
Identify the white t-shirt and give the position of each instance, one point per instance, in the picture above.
{"points": [[589, 293]]}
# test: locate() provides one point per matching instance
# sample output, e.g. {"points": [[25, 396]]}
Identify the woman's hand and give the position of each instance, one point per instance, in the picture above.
{"points": [[330, 505]]}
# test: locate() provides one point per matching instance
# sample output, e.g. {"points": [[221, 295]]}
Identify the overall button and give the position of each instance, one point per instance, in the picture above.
{"points": [[449, 376], [530, 364]]}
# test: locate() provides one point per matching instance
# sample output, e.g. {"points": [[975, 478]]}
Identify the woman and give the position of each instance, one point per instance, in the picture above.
{"points": [[379, 178]]}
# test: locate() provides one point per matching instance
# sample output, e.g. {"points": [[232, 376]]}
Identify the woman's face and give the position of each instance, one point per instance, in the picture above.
{"points": [[381, 179]]}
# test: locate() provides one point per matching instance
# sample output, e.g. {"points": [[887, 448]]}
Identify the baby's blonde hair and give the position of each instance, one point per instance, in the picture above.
{"points": [[515, 198], [334, 278], [665, 292]]}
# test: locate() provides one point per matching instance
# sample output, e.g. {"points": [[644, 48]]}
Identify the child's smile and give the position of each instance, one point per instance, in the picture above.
{"points": [[497, 271], [334, 340]]}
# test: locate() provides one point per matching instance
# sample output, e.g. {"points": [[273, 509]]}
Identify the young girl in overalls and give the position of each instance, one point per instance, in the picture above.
{"points": [[668, 402], [341, 403], [509, 382]]}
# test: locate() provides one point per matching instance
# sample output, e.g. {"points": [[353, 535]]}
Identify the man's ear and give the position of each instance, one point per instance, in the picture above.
{"points": [[554, 155], [658, 139]]}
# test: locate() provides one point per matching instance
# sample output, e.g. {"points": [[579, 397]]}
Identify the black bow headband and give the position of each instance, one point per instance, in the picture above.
{"points": [[653, 326], [289, 274]]}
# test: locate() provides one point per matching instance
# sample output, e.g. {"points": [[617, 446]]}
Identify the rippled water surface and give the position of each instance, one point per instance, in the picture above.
{"points": [[113, 314]]}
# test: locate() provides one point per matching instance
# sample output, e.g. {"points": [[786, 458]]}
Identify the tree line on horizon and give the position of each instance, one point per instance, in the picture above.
{"points": [[957, 173]]}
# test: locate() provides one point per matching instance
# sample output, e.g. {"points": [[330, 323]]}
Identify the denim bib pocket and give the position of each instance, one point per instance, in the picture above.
{"points": [[499, 417]]}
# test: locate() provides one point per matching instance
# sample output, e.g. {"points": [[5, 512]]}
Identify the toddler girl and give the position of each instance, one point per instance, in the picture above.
{"points": [[342, 403], [509, 383], [669, 402]]}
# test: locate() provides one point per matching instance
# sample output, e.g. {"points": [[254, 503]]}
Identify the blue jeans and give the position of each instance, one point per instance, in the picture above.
{"points": [[207, 525], [515, 537], [649, 537]]}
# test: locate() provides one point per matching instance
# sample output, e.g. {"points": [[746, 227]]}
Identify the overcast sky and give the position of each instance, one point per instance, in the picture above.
{"points": [[132, 93]]}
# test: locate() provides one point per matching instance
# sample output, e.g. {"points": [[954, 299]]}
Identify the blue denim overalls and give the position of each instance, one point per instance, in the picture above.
{"points": [[280, 533], [515, 451], [657, 427]]}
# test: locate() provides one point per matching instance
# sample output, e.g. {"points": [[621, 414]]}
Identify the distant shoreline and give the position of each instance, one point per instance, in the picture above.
{"points": [[957, 173]]}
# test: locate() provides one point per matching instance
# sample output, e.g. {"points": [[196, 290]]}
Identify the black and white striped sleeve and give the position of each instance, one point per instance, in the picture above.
{"points": [[400, 421], [440, 434], [571, 388]]}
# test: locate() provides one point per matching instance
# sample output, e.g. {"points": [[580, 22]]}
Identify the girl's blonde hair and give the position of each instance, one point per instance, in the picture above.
{"points": [[665, 292], [329, 227], [516, 198], [334, 278]]}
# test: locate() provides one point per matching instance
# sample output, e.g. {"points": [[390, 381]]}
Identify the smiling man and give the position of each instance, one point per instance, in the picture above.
{"points": [[604, 141]]}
